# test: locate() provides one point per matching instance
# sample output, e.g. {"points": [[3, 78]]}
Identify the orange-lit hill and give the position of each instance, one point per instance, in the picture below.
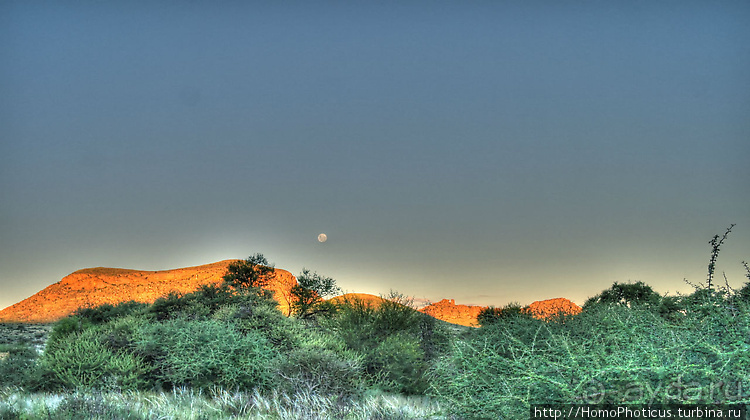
{"points": [[96, 286], [448, 311], [445, 310], [544, 309], [91, 287]]}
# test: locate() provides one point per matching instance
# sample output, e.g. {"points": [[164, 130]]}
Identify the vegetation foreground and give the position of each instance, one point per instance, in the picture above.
{"points": [[226, 351], [181, 403]]}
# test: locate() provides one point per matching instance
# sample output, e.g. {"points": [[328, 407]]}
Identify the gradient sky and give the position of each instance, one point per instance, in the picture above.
{"points": [[485, 151]]}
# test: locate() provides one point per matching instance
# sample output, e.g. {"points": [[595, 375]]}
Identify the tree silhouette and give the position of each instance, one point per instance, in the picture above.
{"points": [[251, 273], [627, 294], [308, 293], [715, 243]]}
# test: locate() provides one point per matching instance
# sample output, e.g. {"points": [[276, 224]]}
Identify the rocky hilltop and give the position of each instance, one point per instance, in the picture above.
{"points": [[448, 311], [92, 287], [543, 309], [445, 310], [96, 286]]}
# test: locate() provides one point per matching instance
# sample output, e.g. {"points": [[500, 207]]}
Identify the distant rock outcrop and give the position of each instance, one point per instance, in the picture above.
{"points": [[445, 310], [448, 311], [544, 309], [96, 286]]}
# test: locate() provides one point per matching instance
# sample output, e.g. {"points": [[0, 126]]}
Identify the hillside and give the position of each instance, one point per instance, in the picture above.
{"points": [[91, 287], [543, 309], [445, 310], [448, 311], [97, 286]]}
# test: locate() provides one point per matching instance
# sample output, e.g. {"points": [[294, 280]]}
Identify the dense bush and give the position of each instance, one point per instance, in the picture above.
{"points": [[201, 354], [607, 354], [264, 317], [396, 341], [16, 365], [237, 338], [627, 294], [215, 336], [66, 326], [104, 313], [122, 333], [511, 312], [639, 295], [320, 370], [83, 361], [434, 337], [398, 363], [200, 304]]}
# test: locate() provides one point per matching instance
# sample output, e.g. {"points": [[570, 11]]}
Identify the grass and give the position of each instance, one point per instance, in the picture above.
{"points": [[35, 335], [186, 404]]}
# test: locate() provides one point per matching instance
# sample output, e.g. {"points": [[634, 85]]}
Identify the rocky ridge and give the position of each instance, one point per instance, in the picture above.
{"points": [[448, 311], [544, 309], [91, 287]]}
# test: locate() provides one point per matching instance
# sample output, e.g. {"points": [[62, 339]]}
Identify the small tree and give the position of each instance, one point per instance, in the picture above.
{"points": [[715, 243], [626, 294], [252, 273], [308, 293]]}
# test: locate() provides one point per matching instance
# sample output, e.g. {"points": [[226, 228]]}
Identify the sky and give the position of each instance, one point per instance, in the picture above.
{"points": [[484, 151]]}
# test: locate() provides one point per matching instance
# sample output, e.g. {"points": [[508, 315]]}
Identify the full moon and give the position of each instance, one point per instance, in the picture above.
{"points": [[322, 237]]}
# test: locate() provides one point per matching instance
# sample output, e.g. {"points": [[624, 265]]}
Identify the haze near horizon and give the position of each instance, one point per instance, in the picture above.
{"points": [[483, 152]]}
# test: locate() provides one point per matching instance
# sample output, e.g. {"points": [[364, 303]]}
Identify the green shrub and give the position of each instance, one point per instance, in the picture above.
{"points": [[743, 294], [353, 324], [434, 337], [507, 313], [201, 354], [606, 354], [9, 412], [364, 325], [83, 361], [85, 406], [213, 336], [264, 317], [321, 371], [107, 312], [398, 363], [203, 303], [396, 341], [122, 334], [17, 365], [65, 327], [395, 315], [627, 294]]}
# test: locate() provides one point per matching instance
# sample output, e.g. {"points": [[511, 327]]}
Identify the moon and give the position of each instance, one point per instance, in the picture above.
{"points": [[322, 237]]}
